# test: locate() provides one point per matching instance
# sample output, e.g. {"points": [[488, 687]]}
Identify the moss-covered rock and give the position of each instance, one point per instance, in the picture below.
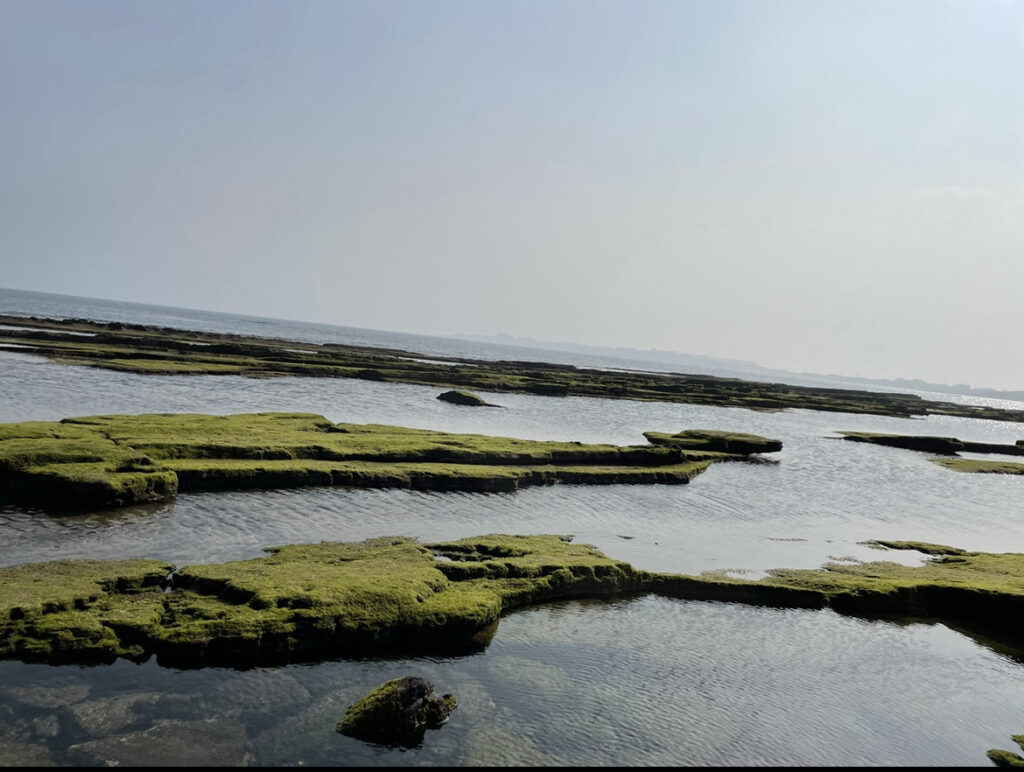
{"points": [[980, 466], [395, 594], [299, 601], [85, 610], [398, 712], [716, 441], [466, 398], [115, 460]]}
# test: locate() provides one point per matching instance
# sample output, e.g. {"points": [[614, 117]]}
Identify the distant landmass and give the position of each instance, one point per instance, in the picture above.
{"points": [[662, 360]]}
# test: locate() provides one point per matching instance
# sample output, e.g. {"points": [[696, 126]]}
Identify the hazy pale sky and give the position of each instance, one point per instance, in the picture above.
{"points": [[816, 185]]}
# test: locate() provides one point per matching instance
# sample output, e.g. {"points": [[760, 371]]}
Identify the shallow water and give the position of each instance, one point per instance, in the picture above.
{"points": [[635, 681], [640, 681]]}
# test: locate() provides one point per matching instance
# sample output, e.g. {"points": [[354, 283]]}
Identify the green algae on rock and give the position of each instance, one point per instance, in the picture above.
{"points": [[396, 594], [467, 398], [299, 601], [115, 460], [949, 447], [980, 465], [716, 441], [1003, 758], [151, 350], [398, 712], [85, 610]]}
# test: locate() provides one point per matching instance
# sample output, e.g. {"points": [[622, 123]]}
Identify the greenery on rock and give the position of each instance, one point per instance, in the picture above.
{"points": [[398, 712], [162, 351], [1003, 758], [980, 466], [105, 461], [716, 441], [393, 593]]}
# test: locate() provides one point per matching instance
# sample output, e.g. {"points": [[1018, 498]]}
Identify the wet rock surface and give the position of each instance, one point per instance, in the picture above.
{"points": [[398, 712]]}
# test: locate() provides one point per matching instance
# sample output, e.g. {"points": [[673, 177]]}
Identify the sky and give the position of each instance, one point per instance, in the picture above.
{"points": [[829, 186]]}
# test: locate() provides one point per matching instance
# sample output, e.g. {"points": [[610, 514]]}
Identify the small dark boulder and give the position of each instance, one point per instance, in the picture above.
{"points": [[464, 398], [397, 712]]}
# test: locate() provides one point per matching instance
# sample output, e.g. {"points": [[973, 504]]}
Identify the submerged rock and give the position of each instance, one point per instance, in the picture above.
{"points": [[205, 743], [1003, 758], [397, 712], [15, 752], [467, 398]]}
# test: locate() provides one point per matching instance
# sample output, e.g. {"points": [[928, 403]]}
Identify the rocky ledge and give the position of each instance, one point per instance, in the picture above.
{"points": [[397, 595], [116, 460]]}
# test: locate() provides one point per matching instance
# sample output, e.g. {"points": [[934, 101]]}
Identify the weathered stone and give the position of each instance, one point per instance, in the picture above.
{"points": [[397, 712], [716, 441]]}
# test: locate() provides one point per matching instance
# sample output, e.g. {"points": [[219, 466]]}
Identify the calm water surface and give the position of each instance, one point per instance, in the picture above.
{"points": [[635, 681]]}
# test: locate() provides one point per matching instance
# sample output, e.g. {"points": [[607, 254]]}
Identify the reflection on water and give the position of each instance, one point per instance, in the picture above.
{"points": [[636, 681]]}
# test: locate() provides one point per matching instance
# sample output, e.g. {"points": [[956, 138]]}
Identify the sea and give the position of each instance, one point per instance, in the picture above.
{"points": [[630, 681]]}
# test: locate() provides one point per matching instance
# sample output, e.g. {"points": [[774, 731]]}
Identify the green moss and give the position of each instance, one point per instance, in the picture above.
{"points": [[1006, 758], [398, 712], [113, 460], [716, 441], [921, 546], [396, 594], [980, 466], [73, 609], [298, 600]]}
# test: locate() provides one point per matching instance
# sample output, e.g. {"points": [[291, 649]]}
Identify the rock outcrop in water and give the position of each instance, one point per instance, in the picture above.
{"points": [[1003, 758], [466, 398], [716, 441], [116, 460], [949, 448], [398, 712], [163, 351], [398, 596]]}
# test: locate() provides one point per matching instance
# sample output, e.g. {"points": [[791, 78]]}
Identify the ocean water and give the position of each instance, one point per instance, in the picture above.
{"points": [[631, 681]]}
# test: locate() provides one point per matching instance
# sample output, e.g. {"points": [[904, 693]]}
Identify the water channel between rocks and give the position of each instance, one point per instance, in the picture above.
{"points": [[630, 681]]}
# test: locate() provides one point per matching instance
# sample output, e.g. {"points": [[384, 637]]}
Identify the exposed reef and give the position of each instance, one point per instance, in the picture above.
{"points": [[398, 712], [720, 442], [164, 350], [467, 398], [1003, 758], [394, 594], [980, 466], [949, 448], [115, 460]]}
